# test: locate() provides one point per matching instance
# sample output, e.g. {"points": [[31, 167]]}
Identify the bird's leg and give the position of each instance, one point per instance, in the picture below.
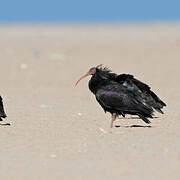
{"points": [[114, 115]]}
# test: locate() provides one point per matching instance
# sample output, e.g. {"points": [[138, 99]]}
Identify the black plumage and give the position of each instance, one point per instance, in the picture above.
{"points": [[123, 94], [2, 112]]}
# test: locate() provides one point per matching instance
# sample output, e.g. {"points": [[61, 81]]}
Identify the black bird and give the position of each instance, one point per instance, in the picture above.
{"points": [[122, 94], [2, 112]]}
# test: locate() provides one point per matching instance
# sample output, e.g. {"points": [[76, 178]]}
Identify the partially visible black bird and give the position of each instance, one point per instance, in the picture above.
{"points": [[122, 94], [2, 112]]}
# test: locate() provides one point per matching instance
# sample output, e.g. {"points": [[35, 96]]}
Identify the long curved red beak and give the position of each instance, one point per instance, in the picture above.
{"points": [[87, 74]]}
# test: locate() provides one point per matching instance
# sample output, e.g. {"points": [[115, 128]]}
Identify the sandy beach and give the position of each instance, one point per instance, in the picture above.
{"points": [[59, 132]]}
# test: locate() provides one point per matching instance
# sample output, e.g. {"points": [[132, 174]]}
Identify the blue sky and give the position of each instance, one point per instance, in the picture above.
{"points": [[88, 10]]}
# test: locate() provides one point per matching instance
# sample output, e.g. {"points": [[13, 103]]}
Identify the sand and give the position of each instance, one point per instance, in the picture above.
{"points": [[58, 131]]}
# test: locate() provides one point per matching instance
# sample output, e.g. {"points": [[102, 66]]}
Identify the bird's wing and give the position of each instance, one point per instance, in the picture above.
{"points": [[141, 89], [119, 99], [131, 83]]}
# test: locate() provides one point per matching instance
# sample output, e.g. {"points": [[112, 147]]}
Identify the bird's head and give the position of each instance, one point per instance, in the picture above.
{"points": [[102, 72], [91, 71]]}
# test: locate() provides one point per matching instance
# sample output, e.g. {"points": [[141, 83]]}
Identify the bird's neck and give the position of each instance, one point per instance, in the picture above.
{"points": [[96, 82]]}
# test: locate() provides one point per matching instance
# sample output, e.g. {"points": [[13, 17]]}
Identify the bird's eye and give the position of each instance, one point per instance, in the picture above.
{"points": [[92, 71]]}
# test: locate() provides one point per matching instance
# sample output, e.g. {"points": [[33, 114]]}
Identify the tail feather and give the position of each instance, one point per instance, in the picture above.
{"points": [[144, 118], [156, 106], [145, 110], [156, 98], [159, 110]]}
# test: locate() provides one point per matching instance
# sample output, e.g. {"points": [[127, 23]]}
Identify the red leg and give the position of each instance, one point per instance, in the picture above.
{"points": [[113, 119]]}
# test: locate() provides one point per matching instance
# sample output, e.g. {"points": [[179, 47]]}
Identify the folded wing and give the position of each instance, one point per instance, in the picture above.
{"points": [[141, 89], [118, 99]]}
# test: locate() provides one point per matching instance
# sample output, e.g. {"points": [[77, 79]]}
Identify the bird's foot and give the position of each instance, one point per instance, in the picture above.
{"points": [[114, 115]]}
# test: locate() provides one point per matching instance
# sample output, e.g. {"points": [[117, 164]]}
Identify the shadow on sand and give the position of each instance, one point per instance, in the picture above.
{"points": [[135, 126], [5, 124], [136, 117]]}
